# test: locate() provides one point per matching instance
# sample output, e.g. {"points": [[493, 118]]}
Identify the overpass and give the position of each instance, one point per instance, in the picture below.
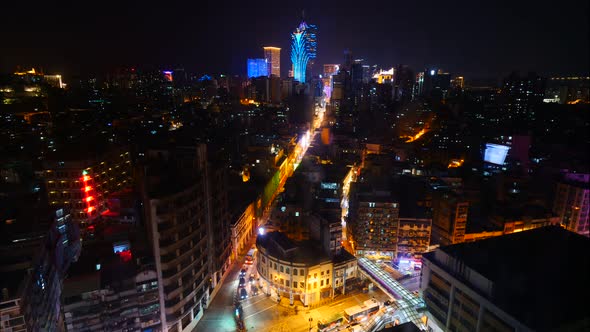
{"points": [[406, 307]]}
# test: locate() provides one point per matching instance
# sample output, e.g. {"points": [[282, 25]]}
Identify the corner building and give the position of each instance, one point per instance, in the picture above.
{"points": [[299, 271]]}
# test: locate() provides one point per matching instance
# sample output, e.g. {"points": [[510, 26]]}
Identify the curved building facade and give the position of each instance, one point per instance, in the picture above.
{"points": [[301, 272]]}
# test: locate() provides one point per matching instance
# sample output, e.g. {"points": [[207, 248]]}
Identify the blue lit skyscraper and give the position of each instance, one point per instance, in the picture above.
{"points": [[303, 50], [257, 68], [299, 55]]}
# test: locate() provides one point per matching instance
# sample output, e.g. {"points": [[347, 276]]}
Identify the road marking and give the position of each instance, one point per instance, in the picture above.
{"points": [[253, 303], [263, 310]]}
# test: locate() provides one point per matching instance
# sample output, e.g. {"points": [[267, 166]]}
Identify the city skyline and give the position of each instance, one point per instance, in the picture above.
{"points": [[415, 169], [472, 40]]}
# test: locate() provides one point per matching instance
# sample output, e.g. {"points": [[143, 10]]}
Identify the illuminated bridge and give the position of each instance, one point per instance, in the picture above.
{"points": [[407, 307]]}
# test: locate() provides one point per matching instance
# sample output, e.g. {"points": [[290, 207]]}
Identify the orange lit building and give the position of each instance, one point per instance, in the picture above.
{"points": [[82, 185], [273, 59]]}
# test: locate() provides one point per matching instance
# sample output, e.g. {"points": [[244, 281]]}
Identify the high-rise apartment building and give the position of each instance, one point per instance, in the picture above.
{"points": [[185, 206], [81, 185], [373, 221], [449, 221], [273, 59], [257, 67], [571, 202]]}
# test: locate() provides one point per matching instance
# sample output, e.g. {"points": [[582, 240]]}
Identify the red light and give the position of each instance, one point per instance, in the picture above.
{"points": [[125, 255], [86, 178], [89, 198], [90, 209], [87, 188]]}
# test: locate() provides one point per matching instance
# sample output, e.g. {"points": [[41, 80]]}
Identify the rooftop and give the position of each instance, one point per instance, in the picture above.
{"points": [[301, 252], [540, 276]]}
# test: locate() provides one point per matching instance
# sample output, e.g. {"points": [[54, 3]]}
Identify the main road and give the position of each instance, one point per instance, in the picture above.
{"points": [[220, 315]]}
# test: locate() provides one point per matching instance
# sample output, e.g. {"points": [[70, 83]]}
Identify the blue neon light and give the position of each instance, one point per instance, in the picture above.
{"points": [[257, 68], [299, 55]]}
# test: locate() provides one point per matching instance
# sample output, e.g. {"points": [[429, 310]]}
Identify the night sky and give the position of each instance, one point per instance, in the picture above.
{"points": [[471, 38]]}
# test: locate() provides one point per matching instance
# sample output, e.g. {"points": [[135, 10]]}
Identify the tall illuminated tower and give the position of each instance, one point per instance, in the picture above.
{"points": [[299, 55], [273, 60]]}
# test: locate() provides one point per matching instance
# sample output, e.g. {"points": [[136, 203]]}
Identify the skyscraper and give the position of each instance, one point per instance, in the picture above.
{"points": [[299, 55], [273, 60], [257, 67]]}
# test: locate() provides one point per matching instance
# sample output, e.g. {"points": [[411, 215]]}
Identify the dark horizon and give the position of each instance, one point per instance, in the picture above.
{"points": [[477, 41]]}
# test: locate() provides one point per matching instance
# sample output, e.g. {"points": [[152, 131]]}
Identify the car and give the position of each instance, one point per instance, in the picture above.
{"points": [[243, 273], [253, 290], [242, 282], [388, 302], [243, 294]]}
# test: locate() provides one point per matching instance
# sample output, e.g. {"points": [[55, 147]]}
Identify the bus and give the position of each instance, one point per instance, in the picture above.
{"points": [[250, 256], [331, 324], [358, 313]]}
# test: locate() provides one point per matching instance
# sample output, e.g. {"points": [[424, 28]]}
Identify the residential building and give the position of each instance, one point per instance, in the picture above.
{"points": [[81, 185], [571, 204], [185, 208]]}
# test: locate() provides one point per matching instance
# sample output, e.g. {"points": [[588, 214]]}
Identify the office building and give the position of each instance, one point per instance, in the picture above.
{"points": [[257, 68], [571, 203], [503, 283], [185, 206], [272, 55]]}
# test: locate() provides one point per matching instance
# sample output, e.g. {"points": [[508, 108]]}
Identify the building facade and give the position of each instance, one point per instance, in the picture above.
{"points": [[188, 229], [273, 59], [257, 67], [299, 55], [299, 272], [81, 186], [32, 284], [449, 220], [571, 204], [504, 291]]}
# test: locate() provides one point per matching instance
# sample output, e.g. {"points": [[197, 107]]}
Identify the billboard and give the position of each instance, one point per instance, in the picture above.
{"points": [[495, 153]]}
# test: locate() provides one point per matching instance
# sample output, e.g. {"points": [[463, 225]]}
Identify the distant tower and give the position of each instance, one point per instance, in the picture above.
{"points": [[307, 44], [273, 60], [299, 55]]}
